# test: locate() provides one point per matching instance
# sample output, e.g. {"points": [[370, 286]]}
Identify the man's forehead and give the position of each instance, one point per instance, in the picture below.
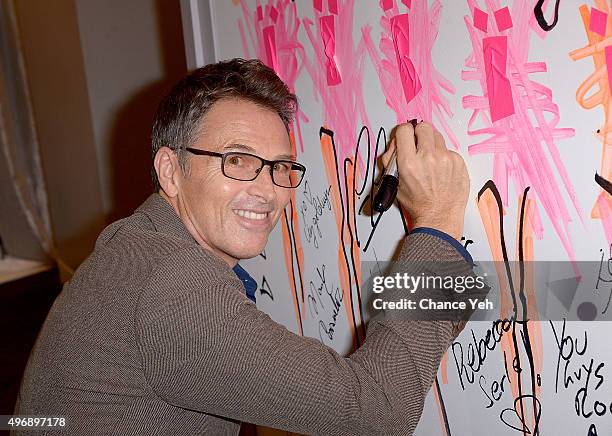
{"points": [[245, 125], [240, 109], [253, 150], [242, 112]]}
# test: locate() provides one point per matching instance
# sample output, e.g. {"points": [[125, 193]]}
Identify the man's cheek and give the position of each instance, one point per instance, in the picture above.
{"points": [[284, 199]]}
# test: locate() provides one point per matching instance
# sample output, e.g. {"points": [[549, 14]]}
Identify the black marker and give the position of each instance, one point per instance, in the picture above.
{"points": [[385, 196]]}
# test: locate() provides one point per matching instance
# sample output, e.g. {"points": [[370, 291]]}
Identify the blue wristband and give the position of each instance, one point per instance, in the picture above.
{"points": [[448, 238]]}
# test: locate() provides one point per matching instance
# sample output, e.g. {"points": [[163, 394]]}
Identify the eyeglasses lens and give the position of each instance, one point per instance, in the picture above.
{"points": [[246, 167]]}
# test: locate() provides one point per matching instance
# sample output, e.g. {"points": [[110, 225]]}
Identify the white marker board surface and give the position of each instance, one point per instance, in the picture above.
{"points": [[520, 89]]}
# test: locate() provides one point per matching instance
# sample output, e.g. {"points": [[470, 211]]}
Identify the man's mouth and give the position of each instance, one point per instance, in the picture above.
{"points": [[251, 215]]}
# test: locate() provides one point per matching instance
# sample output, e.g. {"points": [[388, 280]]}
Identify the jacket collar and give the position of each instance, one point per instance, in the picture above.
{"points": [[165, 220], [164, 217]]}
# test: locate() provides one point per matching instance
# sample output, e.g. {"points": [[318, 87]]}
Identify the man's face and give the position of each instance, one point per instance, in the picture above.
{"points": [[230, 217]]}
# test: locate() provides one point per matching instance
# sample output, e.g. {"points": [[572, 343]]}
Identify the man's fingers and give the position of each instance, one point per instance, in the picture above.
{"points": [[386, 156], [426, 142], [440, 145], [404, 136]]}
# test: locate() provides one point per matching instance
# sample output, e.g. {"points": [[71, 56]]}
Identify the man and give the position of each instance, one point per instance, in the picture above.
{"points": [[154, 334]]}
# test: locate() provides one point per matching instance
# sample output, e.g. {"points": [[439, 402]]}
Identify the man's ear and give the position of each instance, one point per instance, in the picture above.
{"points": [[168, 171]]}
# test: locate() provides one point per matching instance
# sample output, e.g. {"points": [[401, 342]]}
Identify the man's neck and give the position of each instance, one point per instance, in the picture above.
{"points": [[183, 216]]}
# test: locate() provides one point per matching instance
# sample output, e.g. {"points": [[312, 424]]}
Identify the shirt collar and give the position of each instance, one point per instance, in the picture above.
{"points": [[249, 282]]}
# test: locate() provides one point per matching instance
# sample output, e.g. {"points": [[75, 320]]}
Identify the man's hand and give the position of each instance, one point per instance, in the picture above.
{"points": [[434, 183]]}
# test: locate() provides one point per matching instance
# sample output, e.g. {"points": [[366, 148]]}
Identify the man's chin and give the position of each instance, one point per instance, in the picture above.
{"points": [[248, 251], [247, 254]]}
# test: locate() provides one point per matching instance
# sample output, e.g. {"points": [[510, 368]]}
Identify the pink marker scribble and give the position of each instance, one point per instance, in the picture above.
{"points": [[273, 35], [406, 44], [499, 94], [608, 53], [270, 44], [598, 34], [503, 19], [273, 13], [336, 70], [333, 6], [328, 34], [401, 43], [481, 19], [598, 21], [510, 100]]}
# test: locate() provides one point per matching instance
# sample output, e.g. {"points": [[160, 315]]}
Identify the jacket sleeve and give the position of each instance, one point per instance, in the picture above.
{"points": [[206, 347]]}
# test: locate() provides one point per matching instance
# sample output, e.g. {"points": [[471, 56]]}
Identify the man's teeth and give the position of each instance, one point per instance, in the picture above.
{"points": [[251, 215]]}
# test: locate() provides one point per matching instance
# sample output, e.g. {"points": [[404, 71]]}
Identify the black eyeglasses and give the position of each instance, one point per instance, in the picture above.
{"points": [[246, 167]]}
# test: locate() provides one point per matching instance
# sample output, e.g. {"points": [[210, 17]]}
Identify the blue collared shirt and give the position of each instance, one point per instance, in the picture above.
{"points": [[249, 282]]}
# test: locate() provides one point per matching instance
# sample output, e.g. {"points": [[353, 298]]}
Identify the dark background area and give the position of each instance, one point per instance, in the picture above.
{"points": [[25, 304]]}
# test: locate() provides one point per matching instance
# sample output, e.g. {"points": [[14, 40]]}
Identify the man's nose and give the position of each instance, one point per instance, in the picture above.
{"points": [[263, 186]]}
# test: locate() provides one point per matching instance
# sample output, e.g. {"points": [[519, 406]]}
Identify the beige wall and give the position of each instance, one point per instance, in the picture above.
{"points": [[133, 53], [54, 65], [96, 71]]}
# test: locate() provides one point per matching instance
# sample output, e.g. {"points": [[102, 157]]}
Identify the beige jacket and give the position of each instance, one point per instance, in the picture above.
{"points": [[154, 336]]}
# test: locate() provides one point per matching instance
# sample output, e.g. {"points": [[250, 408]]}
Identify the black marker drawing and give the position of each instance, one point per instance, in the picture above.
{"points": [[539, 15]]}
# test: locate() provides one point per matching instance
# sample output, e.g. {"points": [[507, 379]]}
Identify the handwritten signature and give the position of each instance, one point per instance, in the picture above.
{"points": [[319, 205], [477, 350], [318, 293], [580, 370], [605, 279]]}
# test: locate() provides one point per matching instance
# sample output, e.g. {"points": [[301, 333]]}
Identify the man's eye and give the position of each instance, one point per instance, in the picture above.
{"points": [[234, 160], [282, 167]]}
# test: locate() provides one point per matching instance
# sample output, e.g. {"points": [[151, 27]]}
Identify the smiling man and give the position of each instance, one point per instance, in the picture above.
{"points": [[225, 215], [157, 332]]}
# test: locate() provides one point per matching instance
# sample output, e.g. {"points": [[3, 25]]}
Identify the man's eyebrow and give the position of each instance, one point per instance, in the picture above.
{"points": [[248, 149], [286, 157], [240, 147]]}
